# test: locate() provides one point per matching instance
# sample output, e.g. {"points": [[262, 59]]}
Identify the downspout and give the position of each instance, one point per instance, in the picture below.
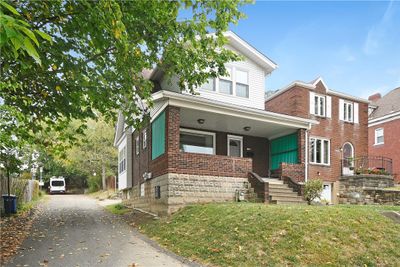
{"points": [[306, 154]]}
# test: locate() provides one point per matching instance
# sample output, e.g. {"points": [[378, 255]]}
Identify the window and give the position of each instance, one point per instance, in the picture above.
{"points": [[122, 160], [144, 138], [225, 83], [158, 136], [209, 85], [137, 145], [235, 146], [193, 141], [242, 83], [320, 151], [348, 111], [141, 191], [379, 136], [319, 105], [157, 192]]}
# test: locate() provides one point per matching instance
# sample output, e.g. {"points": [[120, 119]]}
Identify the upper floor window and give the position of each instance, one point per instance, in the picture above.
{"points": [[122, 160], [319, 105], [225, 83], [242, 83], [379, 136], [235, 83], [209, 85], [348, 111], [320, 151], [137, 145], [144, 138]]}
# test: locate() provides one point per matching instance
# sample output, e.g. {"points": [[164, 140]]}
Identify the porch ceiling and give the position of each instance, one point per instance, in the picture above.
{"points": [[233, 124]]}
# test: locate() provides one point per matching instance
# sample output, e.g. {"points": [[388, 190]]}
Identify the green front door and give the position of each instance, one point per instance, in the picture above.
{"points": [[283, 149]]}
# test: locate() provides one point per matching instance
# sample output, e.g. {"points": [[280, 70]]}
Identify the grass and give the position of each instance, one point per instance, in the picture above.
{"points": [[117, 209], [396, 188], [102, 194], [29, 205], [250, 234]]}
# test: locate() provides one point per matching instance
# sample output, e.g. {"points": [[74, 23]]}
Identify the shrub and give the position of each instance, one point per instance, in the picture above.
{"points": [[94, 183], [312, 190]]}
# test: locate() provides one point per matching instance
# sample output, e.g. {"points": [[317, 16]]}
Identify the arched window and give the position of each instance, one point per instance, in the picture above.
{"points": [[348, 154]]}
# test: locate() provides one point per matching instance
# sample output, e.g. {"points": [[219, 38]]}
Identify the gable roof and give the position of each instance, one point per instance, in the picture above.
{"points": [[243, 47], [312, 85], [388, 104]]}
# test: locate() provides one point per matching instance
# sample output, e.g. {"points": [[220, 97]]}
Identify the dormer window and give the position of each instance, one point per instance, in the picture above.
{"points": [[242, 83], [225, 83]]}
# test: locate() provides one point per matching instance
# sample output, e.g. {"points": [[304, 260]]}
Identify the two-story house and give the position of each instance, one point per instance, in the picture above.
{"points": [[340, 136], [201, 148], [383, 129]]}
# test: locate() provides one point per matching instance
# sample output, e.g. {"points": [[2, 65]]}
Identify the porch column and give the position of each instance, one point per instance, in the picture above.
{"points": [[301, 139], [173, 121]]}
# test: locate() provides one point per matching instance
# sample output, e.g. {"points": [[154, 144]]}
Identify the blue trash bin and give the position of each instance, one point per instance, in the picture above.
{"points": [[10, 204]]}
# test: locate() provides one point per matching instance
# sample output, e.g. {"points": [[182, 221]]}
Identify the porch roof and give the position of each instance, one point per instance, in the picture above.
{"points": [[221, 116]]}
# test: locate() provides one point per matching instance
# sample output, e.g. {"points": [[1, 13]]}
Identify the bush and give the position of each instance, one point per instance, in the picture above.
{"points": [[94, 183], [313, 190]]}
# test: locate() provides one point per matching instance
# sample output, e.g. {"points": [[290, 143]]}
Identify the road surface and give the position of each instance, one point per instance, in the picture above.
{"points": [[73, 230]]}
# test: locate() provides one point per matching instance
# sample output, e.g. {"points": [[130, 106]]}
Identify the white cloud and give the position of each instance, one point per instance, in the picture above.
{"points": [[379, 32]]}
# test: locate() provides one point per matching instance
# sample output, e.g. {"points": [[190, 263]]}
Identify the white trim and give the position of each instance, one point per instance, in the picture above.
{"points": [[208, 105], [144, 138], [328, 106], [376, 137], [312, 87], [201, 132], [159, 111], [383, 119], [237, 138], [306, 157], [322, 139], [318, 103], [237, 42]]}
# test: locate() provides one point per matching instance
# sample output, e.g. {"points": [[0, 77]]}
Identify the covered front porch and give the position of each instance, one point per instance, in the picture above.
{"points": [[213, 138]]}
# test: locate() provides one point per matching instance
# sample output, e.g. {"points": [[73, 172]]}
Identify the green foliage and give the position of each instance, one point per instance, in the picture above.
{"points": [[280, 235], [97, 53], [94, 183], [118, 209], [313, 190]]}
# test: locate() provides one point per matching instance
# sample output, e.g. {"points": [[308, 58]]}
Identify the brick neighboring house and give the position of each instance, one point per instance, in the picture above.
{"points": [[384, 128], [340, 134]]}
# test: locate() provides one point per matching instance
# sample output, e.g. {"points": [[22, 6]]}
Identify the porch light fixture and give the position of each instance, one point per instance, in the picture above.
{"points": [[247, 128], [201, 121]]}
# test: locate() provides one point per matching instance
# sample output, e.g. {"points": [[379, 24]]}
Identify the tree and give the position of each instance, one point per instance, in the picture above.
{"points": [[312, 190], [98, 52]]}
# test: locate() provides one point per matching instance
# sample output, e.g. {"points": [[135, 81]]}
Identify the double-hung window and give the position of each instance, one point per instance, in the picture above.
{"points": [[320, 151], [348, 111], [209, 85], [225, 83], [242, 83], [122, 160], [319, 105], [194, 141], [379, 140]]}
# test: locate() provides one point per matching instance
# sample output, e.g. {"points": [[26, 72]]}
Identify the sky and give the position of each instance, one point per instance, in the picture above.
{"points": [[353, 46]]}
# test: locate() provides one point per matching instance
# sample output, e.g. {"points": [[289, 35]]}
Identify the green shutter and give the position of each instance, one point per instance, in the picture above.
{"points": [[158, 136], [283, 149]]}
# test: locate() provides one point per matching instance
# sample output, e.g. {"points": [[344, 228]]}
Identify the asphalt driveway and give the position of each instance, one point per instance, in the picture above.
{"points": [[73, 230]]}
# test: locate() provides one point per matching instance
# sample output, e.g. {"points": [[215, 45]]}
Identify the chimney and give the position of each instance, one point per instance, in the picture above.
{"points": [[374, 97]]}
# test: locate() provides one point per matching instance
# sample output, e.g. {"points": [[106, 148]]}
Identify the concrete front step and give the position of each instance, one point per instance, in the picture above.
{"points": [[272, 181], [291, 202], [289, 195], [287, 198]]}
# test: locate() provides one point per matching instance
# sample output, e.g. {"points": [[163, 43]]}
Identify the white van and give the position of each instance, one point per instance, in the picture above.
{"points": [[57, 185]]}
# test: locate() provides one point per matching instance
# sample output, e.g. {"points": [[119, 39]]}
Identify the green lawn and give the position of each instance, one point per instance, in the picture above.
{"points": [[118, 209], [273, 235]]}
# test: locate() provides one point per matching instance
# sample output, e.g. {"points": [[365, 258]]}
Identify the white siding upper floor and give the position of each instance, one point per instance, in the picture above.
{"points": [[125, 153], [245, 84]]}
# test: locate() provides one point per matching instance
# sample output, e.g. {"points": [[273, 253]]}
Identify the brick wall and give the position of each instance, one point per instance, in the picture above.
{"points": [[391, 146], [294, 171], [296, 102]]}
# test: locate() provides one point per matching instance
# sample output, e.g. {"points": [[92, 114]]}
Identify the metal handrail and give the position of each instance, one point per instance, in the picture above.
{"points": [[378, 165]]}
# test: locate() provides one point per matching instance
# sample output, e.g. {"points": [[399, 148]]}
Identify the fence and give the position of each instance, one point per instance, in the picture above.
{"points": [[369, 165], [24, 189]]}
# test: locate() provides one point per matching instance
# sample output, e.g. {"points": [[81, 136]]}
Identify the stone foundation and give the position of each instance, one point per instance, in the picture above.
{"points": [[367, 189], [178, 190]]}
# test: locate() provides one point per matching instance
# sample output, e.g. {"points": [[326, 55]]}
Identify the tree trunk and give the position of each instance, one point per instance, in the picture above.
{"points": [[103, 176]]}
